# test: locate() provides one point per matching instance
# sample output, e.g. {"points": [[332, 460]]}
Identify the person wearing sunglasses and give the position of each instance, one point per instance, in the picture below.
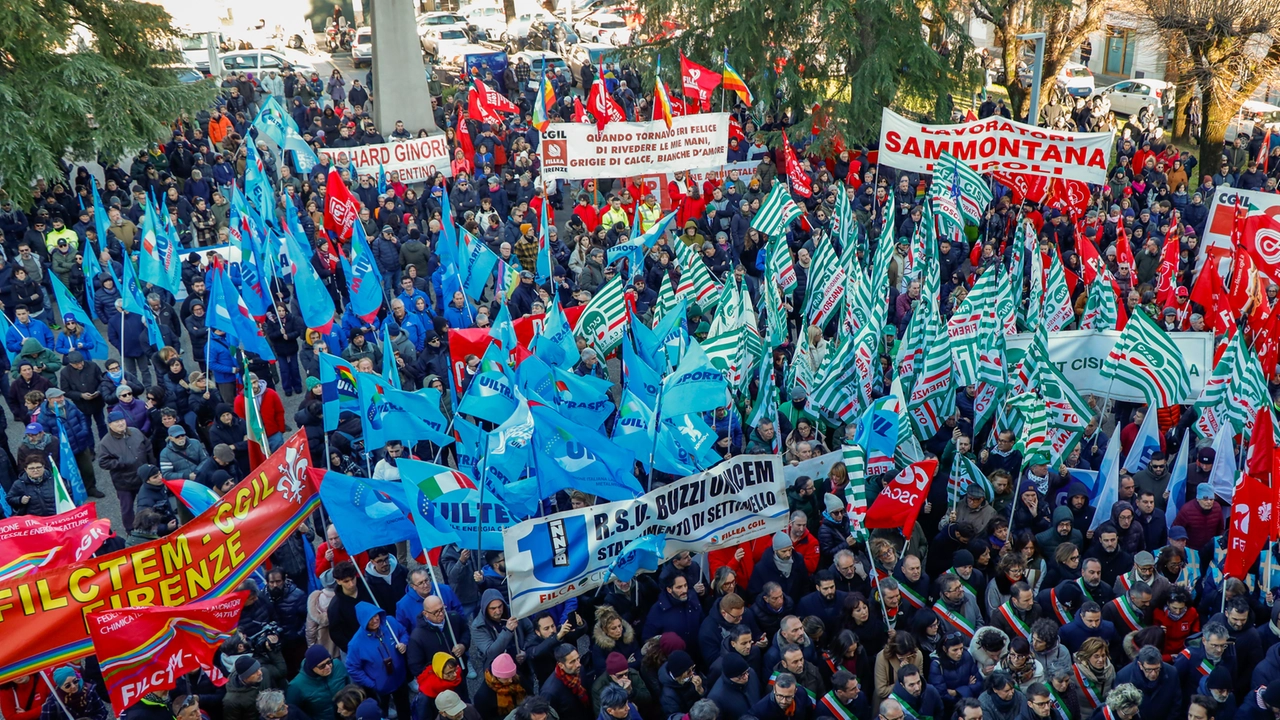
{"points": [[76, 696]]}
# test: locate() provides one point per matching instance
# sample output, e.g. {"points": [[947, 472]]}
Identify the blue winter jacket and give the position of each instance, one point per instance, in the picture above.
{"points": [[79, 431], [410, 606], [35, 328], [222, 362], [368, 651], [955, 676]]}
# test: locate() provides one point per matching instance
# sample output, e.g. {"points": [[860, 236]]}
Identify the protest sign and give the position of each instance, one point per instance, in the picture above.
{"points": [[148, 649], [995, 144], [409, 161], [815, 467], [29, 543], [1217, 243], [42, 616], [551, 559], [1079, 355], [577, 151]]}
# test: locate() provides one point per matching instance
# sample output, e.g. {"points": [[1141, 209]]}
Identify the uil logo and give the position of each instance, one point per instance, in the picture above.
{"points": [[558, 549]]}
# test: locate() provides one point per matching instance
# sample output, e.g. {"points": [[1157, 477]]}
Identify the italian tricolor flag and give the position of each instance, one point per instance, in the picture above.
{"points": [[63, 501], [444, 482]]}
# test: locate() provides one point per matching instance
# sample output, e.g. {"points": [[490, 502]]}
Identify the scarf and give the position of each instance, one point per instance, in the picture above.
{"points": [[784, 566], [573, 684], [508, 696], [432, 685]]}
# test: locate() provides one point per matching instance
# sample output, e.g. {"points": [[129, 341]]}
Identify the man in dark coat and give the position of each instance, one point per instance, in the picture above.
{"points": [[781, 566], [1158, 681]]}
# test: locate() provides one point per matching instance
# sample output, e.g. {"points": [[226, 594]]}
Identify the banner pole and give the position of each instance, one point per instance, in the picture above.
{"points": [[54, 691], [365, 580]]}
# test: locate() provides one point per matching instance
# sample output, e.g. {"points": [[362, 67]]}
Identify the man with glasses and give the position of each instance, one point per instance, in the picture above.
{"points": [[436, 629], [787, 701], [1039, 701], [78, 697], [1156, 680], [956, 608], [1216, 650], [720, 624], [834, 533], [846, 698], [1129, 612], [312, 690], [848, 575]]}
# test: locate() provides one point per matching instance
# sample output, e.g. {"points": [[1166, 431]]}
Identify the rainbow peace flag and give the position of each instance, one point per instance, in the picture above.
{"points": [[546, 99], [661, 103], [733, 81]]}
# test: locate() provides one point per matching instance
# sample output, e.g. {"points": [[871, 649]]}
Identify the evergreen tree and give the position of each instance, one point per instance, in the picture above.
{"points": [[81, 79]]}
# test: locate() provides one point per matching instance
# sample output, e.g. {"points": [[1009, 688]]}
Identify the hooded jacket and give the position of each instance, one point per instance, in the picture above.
{"points": [[946, 674], [1050, 539], [368, 652], [36, 354], [491, 638]]}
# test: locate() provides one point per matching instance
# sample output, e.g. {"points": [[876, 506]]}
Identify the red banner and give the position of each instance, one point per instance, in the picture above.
{"points": [[146, 649], [340, 206], [900, 501], [42, 616], [800, 183], [474, 341], [1252, 506], [1024, 186], [698, 82], [29, 543]]}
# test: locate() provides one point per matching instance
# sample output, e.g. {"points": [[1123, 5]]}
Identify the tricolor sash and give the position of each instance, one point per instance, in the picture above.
{"points": [[774, 678], [1107, 714], [1084, 587], [1206, 665], [908, 710], [1059, 705], [1091, 693], [1060, 611], [837, 708], [972, 590], [955, 620], [1132, 618], [914, 598], [1125, 582], [1019, 626]]}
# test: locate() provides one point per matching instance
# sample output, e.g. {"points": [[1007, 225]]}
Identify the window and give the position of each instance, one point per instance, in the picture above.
{"points": [[1121, 45], [271, 61]]}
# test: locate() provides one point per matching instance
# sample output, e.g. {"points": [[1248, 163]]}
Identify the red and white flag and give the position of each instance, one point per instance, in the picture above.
{"points": [[340, 207], [579, 112], [1167, 274], [602, 106], [900, 501], [800, 182], [464, 142], [495, 100], [1252, 508], [698, 82]]}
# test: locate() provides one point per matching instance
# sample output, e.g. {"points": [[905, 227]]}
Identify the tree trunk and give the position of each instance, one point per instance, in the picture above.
{"points": [[1217, 111], [1009, 55], [509, 10]]}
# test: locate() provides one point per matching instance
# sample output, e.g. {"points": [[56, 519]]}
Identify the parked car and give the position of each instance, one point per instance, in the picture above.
{"points": [[448, 46], [537, 59], [255, 61], [1076, 79], [1127, 97], [604, 27], [362, 47], [518, 29], [1254, 114], [588, 53], [485, 21], [441, 19]]}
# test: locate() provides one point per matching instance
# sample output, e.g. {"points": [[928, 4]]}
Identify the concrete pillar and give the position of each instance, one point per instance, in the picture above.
{"points": [[399, 76]]}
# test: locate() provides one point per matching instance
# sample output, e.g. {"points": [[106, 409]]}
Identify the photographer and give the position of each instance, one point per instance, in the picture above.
{"points": [[252, 664]]}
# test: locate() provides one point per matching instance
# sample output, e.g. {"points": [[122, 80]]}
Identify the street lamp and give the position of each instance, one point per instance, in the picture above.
{"points": [[1033, 115]]}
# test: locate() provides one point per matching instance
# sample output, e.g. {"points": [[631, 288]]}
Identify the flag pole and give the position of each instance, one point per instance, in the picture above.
{"points": [[435, 585], [54, 692], [364, 579]]}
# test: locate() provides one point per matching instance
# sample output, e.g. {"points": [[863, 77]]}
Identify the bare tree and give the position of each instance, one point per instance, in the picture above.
{"points": [[1066, 25], [1230, 50]]}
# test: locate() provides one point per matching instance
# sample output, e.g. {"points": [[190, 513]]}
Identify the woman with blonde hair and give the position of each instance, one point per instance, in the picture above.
{"points": [[1095, 675], [612, 634]]}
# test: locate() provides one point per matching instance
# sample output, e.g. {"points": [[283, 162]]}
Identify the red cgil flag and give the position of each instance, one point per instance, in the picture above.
{"points": [[901, 500], [800, 182], [1167, 274], [464, 142], [579, 112], [1252, 508], [340, 207], [698, 82], [602, 105]]}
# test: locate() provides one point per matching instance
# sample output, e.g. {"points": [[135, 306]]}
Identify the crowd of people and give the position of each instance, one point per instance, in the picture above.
{"points": [[1000, 606]]}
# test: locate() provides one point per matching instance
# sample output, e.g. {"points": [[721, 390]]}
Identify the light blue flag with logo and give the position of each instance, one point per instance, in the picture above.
{"points": [[68, 305], [382, 179], [694, 386], [583, 400], [1146, 444], [469, 445], [89, 255], [364, 282], [569, 456], [639, 244], [556, 343], [638, 376], [645, 342], [244, 329], [338, 389], [448, 247], [1108, 490], [644, 554], [390, 370], [313, 297], [686, 444], [535, 380], [414, 416], [251, 286], [257, 188], [303, 156], [475, 265], [448, 503], [634, 427], [543, 272], [367, 513], [509, 460], [68, 467], [153, 330], [490, 396], [372, 390], [130, 289], [503, 331], [151, 234], [672, 336], [878, 426], [1178, 477]]}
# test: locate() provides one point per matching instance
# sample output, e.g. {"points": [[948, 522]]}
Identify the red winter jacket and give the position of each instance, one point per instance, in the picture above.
{"points": [[1201, 526], [271, 408]]}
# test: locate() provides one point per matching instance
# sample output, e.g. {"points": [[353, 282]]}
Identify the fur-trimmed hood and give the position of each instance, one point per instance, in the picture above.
{"points": [[604, 615]]}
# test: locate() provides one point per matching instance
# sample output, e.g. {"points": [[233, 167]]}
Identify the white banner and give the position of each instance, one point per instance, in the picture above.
{"points": [[1079, 355], [995, 144], [1222, 214], [577, 151], [409, 161], [551, 559]]}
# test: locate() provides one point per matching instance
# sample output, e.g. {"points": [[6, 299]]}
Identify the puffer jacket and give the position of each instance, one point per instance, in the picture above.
{"points": [[288, 609], [955, 676], [313, 694], [40, 493], [368, 651], [182, 463], [79, 432]]}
